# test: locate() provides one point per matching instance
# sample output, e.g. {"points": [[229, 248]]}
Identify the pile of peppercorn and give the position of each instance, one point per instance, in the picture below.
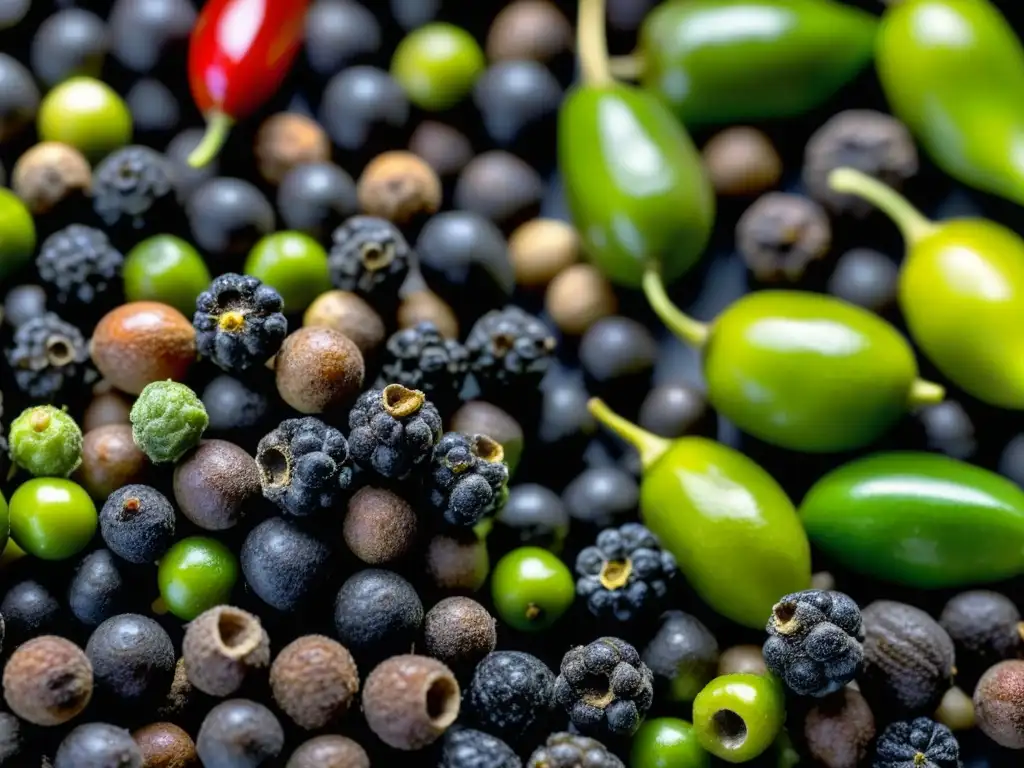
{"points": [[300, 458]]}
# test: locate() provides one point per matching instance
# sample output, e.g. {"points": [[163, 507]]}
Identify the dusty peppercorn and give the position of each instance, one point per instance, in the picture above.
{"points": [[329, 752], [742, 161], [349, 314], [287, 140], [999, 703], [137, 522], [318, 369], [578, 297], [399, 186], [380, 526], [110, 460], [986, 628], [98, 745], [165, 745], [221, 647], [459, 632], [781, 235], [49, 174], [239, 733], [215, 484], [393, 430], [457, 562], [839, 730], [47, 680], [409, 701], [132, 658], [314, 680], [426, 306], [142, 342]]}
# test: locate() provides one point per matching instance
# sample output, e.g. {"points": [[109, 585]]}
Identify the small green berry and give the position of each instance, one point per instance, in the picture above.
{"points": [[52, 518], [667, 742], [5, 523], [167, 421], [167, 269], [437, 65], [196, 574], [531, 588], [737, 717], [293, 264], [46, 442]]}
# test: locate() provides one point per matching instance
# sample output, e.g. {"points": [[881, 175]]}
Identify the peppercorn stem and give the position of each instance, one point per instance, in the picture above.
{"points": [[693, 332], [592, 43], [924, 392], [218, 126], [910, 221], [650, 446], [630, 67]]}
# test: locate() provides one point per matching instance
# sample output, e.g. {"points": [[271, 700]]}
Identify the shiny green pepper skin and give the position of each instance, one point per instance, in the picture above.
{"points": [[635, 183], [727, 61], [807, 371], [5, 522], [737, 717], [953, 71], [731, 527], [919, 519], [666, 742]]}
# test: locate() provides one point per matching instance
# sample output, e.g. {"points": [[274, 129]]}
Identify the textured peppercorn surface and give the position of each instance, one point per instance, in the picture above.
{"points": [[221, 647], [46, 442], [329, 752], [511, 695], [314, 680], [380, 526], [284, 563], [377, 614], [132, 658], [569, 750], [509, 347], [132, 189], [985, 627], [369, 256], [216, 484], [409, 701], [49, 358], [167, 419], [393, 430], [47, 680], [814, 641], [239, 322], [468, 478], [137, 522], [459, 632], [421, 358], [469, 748], [81, 265], [918, 743], [303, 466]]}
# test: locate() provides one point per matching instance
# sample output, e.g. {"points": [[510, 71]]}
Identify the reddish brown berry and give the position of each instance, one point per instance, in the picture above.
{"points": [[426, 306], [458, 562], [399, 186], [286, 140], [380, 526], [839, 729], [314, 680], [999, 704], [111, 460], [329, 752], [221, 646], [409, 701], [47, 680], [349, 314], [108, 406], [165, 745], [215, 484], [459, 632], [318, 369], [142, 342]]}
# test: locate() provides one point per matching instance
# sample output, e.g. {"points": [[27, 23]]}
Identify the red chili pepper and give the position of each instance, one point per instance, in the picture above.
{"points": [[239, 54]]}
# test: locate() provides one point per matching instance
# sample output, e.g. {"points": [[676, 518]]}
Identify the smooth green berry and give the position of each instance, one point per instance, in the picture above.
{"points": [[167, 269], [5, 523], [293, 264], [737, 717], [168, 419], [87, 114], [17, 234], [52, 518], [437, 65], [667, 742], [531, 588], [46, 442], [196, 574]]}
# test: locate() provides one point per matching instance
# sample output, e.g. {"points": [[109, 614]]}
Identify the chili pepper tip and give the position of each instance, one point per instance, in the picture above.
{"points": [[218, 125]]}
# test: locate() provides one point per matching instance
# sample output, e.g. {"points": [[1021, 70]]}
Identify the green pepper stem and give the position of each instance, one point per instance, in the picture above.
{"points": [[592, 43], [629, 67], [924, 392], [218, 125], [693, 332], [650, 446], [911, 223]]}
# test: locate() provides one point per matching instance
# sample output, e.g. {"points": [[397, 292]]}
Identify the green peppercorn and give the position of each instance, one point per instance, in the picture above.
{"points": [[196, 574], [292, 263], [5, 523], [437, 65], [531, 588], [86, 114], [167, 421], [17, 234], [167, 269], [667, 742], [737, 717], [52, 518], [46, 442]]}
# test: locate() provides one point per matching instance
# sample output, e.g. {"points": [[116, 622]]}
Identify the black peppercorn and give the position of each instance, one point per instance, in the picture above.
{"points": [[239, 733], [377, 614], [132, 658], [781, 235]]}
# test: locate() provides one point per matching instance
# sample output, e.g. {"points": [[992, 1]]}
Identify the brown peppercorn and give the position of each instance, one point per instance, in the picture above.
{"points": [[839, 729], [542, 248], [349, 314], [426, 306], [318, 369], [823, 580], [142, 342], [578, 297], [380, 526], [221, 647], [399, 186], [501, 187], [478, 417], [165, 745], [956, 711], [47, 680], [110, 460], [314, 680], [108, 406], [286, 140], [872, 142], [179, 696], [999, 704], [457, 562], [409, 701], [329, 752], [529, 29], [48, 174], [742, 660], [780, 235], [444, 148], [215, 483], [742, 162], [459, 632]]}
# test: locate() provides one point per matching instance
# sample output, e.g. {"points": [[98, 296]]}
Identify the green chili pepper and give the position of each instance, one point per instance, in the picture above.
{"points": [[919, 519], [732, 529], [961, 292], [953, 71], [802, 370], [635, 183], [728, 61]]}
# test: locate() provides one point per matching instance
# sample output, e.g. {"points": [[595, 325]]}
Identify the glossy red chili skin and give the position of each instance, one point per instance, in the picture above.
{"points": [[241, 51]]}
